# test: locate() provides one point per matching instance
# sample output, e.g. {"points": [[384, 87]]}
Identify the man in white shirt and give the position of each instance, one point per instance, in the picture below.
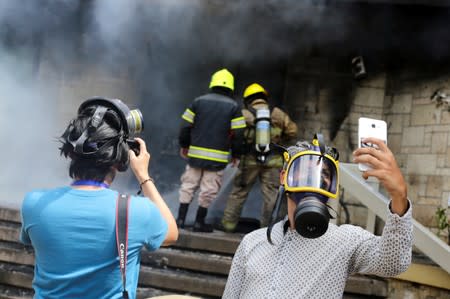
{"points": [[304, 256]]}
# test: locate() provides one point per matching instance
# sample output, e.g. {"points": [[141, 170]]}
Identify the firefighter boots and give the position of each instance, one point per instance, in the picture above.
{"points": [[228, 227], [182, 211], [200, 225]]}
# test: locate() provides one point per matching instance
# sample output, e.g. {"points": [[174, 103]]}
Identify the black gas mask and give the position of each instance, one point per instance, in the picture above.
{"points": [[311, 177], [131, 124]]}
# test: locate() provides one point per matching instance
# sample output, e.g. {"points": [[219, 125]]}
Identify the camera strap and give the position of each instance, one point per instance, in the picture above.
{"points": [[122, 237]]}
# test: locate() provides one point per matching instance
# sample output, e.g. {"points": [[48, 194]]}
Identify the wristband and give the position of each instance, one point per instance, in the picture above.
{"points": [[143, 182]]}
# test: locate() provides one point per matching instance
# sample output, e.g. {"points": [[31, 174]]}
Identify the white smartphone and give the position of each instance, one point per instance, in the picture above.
{"points": [[368, 127]]}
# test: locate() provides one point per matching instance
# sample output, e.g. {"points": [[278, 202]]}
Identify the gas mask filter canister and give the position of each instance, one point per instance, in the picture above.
{"points": [[311, 217]]}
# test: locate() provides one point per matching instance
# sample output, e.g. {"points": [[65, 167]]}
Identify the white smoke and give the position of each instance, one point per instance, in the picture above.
{"points": [[28, 127]]}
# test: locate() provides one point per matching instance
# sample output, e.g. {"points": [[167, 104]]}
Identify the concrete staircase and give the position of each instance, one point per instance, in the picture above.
{"points": [[197, 265]]}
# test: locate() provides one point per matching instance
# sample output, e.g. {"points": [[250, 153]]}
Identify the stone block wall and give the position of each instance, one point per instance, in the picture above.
{"points": [[368, 101], [420, 129], [418, 135]]}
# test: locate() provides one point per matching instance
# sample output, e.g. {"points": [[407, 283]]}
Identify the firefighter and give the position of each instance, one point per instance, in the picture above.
{"points": [[265, 125], [212, 129]]}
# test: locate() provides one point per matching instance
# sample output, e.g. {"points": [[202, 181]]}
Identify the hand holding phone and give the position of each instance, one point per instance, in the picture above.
{"points": [[368, 127]]}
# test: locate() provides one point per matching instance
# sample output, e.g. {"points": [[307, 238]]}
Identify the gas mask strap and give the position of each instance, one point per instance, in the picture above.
{"points": [[335, 213], [275, 212], [277, 148], [318, 137], [119, 144], [96, 120]]}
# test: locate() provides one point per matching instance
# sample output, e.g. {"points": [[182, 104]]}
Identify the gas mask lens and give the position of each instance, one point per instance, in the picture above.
{"points": [[311, 172]]}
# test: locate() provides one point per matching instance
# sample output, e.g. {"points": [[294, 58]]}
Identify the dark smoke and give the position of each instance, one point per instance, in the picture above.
{"points": [[169, 49]]}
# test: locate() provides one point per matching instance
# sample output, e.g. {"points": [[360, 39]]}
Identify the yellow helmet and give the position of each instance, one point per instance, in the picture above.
{"points": [[254, 89], [222, 78]]}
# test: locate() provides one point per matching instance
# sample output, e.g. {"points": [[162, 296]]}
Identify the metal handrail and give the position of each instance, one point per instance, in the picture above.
{"points": [[424, 239]]}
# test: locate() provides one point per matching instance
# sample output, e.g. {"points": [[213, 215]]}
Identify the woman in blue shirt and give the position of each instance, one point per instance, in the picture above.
{"points": [[72, 228]]}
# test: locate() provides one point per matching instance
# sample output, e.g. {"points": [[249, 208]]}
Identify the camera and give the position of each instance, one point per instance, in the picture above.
{"points": [[134, 146]]}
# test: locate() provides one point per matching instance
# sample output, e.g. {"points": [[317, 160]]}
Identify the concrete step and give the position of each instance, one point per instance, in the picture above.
{"points": [[166, 281], [362, 285], [163, 257], [10, 215], [156, 282], [189, 260], [147, 292], [164, 269], [9, 292], [217, 241], [181, 280], [16, 253], [9, 231], [16, 275], [15, 283]]}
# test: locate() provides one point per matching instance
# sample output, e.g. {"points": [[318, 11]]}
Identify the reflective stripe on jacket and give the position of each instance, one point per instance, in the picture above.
{"points": [[212, 130]]}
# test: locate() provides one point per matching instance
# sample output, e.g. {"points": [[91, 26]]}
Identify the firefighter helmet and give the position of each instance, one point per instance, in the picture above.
{"points": [[222, 78], [254, 89]]}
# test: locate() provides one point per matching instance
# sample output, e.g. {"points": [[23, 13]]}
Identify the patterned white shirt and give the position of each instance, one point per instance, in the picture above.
{"points": [[297, 267]]}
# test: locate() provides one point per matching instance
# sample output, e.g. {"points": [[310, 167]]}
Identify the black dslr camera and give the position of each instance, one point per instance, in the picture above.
{"points": [[134, 146]]}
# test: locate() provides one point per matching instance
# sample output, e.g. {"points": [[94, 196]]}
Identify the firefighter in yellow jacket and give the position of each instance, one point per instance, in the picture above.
{"points": [[265, 125], [212, 131]]}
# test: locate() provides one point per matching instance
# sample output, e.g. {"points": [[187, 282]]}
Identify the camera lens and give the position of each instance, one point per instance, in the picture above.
{"points": [[373, 125]]}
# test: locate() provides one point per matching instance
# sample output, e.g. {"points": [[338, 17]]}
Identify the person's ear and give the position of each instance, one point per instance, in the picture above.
{"points": [[282, 175]]}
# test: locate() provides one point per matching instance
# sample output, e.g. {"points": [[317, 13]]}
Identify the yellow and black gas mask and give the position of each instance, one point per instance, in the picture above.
{"points": [[310, 177], [311, 171]]}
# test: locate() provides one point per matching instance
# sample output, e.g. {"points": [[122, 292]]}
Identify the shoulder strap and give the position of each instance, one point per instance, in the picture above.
{"points": [[122, 237]]}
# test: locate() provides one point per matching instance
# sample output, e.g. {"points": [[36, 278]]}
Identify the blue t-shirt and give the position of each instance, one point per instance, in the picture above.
{"points": [[73, 235]]}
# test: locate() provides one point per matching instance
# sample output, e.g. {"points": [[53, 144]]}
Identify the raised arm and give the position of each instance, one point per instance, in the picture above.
{"points": [[389, 254], [139, 164]]}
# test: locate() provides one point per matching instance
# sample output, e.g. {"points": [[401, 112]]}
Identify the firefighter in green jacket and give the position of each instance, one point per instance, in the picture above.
{"points": [[265, 125], [212, 131]]}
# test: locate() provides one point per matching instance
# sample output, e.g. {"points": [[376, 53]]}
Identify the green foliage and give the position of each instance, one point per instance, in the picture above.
{"points": [[442, 220]]}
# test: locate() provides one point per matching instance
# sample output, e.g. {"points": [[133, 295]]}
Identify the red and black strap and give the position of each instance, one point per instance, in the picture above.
{"points": [[122, 237]]}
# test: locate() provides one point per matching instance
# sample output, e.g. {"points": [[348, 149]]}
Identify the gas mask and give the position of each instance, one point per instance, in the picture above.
{"points": [[311, 177], [131, 124]]}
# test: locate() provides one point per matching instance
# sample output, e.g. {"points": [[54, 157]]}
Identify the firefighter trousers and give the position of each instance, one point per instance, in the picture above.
{"points": [[209, 183], [244, 180]]}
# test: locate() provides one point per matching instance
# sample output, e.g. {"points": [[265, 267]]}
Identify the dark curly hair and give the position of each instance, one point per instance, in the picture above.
{"points": [[104, 149]]}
